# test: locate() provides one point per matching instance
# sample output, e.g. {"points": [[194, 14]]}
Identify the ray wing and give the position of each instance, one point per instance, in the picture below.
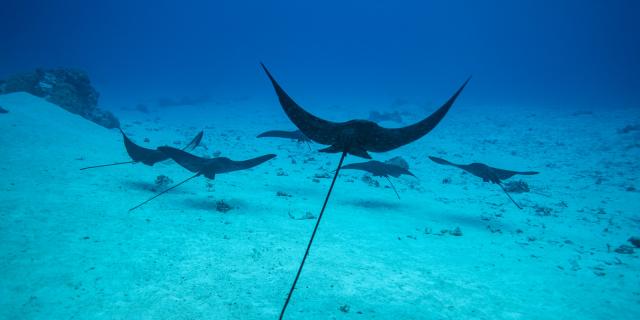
{"points": [[316, 129], [389, 139]]}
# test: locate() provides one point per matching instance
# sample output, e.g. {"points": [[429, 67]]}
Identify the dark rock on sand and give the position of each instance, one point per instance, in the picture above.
{"points": [[516, 186], [635, 241], [222, 206], [163, 181], [543, 211], [306, 216], [282, 194], [370, 181], [3, 110], [629, 128], [67, 88], [456, 232], [323, 175], [624, 249]]}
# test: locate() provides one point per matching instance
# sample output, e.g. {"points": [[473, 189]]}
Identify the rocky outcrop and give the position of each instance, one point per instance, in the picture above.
{"points": [[67, 88]]}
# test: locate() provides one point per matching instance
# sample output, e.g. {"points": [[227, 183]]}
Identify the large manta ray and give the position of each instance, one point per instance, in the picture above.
{"points": [[487, 173], [205, 166], [145, 155], [355, 137], [381, 169]]}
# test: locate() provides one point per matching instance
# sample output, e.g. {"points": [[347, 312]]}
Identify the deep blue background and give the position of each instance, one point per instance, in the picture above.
{"points": [[529, 52]]}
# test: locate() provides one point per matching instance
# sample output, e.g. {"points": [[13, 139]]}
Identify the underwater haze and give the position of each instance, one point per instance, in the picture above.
{"points": [[154, 169]]}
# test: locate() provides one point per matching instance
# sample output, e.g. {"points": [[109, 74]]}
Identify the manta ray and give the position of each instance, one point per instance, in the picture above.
{"points": [[381, 169], [145, 155], [207, 167], [354, 137], [487, 173]]}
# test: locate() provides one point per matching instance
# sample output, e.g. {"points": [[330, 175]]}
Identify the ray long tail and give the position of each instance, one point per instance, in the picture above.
{"points": [[393, 187], [108, 165], [315, 229], [163, 192], [508, 195]]}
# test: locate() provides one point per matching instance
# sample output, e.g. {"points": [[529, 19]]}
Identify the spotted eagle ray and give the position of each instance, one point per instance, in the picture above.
{"points": [[487, 173], [293, 135], [355, 137], [207, 167], [145, 155], [381, 169]]}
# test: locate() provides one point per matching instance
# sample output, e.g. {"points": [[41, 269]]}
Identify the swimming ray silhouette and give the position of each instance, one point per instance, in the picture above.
{"points": [[145, 155], [355, 137], [381, 169], [293, 135], [487, 173], [207, 167]]}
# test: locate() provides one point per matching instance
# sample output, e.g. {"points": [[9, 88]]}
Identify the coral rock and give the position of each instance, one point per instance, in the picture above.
{"points": [[67, 88]]}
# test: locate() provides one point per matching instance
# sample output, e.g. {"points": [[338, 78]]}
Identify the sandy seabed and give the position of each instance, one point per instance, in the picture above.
{"points": [[69, 248]]}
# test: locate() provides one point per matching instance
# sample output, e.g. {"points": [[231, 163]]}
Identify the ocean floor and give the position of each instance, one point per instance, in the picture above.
{"points": [[69, 248]]}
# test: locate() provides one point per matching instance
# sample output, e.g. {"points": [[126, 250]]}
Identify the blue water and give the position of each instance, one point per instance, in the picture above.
{"points": [[536, 52], [554, 89]]}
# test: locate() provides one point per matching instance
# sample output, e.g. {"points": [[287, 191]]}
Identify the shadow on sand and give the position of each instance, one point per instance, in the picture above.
{"points": [[154, 188], [212, 204], [475, 221], [391, 204]]}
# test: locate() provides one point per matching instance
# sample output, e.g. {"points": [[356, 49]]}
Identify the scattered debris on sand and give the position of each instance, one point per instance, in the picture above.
{"points": [[635, 241], [518, 186], [624, 249], [283, 194], [544, 211], [370, 181], [322, 175], [306, 216], [222, 206], [629, 128], [163, 181], [456, 232]]}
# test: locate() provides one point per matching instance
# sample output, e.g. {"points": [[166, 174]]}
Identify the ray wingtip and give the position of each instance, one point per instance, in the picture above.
{"points": [[273, 81], [265, 69], [464, 84]]}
